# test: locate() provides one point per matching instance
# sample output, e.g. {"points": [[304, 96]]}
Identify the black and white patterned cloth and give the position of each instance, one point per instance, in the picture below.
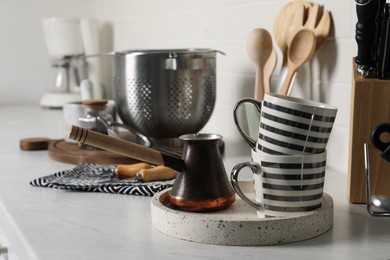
{"points": [[99, 178]]}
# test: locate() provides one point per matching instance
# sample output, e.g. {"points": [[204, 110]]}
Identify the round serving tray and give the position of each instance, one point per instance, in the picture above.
{"points": [[239, 224]]}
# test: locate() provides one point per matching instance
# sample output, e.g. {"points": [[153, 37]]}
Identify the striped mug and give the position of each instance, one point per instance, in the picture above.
{"points": [[288, 125], [284, 185]]}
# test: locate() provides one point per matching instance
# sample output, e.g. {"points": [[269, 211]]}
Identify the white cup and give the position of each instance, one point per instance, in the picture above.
{"points": [[284, 185], [288, 125]]}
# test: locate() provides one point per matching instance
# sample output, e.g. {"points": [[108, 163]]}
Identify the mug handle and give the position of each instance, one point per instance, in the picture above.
{"points": [[247, 138], [256, 169]]}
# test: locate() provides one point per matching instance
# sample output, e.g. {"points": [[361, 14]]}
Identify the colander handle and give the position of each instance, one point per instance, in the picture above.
{"points": [[124, 148]]}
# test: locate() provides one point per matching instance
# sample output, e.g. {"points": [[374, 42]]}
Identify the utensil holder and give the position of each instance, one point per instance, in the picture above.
{"points": [[370, 106]]}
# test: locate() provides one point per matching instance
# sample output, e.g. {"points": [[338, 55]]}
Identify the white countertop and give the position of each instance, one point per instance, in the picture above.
{"points": [[44, 223]]}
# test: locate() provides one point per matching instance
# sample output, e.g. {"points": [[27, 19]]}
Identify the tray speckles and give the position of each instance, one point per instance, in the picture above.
{"points": [[239, 224]]}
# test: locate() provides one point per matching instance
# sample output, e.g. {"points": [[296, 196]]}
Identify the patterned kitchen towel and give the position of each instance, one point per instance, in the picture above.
{"points": [[99, 178]]}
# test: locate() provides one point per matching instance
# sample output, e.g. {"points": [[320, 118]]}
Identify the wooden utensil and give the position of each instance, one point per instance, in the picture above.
{"points": [[282, 25], [300, 50], [144, 172], [259, 48], [322, 29], [312, 17], [125, 148], [269, 68], [62, 151]]}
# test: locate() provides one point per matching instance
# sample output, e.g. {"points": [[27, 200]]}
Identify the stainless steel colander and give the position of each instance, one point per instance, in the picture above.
{"points": [[165, 93]]}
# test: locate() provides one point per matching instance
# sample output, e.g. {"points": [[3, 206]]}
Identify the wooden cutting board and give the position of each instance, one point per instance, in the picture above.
{"points": [[370, 106]]}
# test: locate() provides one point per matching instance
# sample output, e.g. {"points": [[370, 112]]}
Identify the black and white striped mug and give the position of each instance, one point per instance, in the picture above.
{"points": [[288, 125], [284, 185]]}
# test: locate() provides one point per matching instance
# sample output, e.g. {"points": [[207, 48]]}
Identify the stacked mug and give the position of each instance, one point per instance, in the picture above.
{"points": [[289, 155]]}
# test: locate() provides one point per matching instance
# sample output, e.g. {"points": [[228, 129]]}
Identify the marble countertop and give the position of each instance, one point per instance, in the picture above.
{"points": [[44, 223]]}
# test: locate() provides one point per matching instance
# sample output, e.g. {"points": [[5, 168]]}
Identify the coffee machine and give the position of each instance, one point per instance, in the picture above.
{"points": [[68, 40]]}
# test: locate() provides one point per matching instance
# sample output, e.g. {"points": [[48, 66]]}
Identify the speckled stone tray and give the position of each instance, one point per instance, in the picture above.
{"points": [[239, 224]]}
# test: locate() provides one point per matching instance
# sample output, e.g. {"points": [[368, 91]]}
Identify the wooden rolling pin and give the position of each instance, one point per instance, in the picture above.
{"points": [[125, 148]]}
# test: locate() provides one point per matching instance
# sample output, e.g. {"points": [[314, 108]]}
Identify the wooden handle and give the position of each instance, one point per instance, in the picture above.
{"points": [[259, 84], [94, 102], [160, 173], [287, 81], [123, 147], [124, 171], [34, 143]]}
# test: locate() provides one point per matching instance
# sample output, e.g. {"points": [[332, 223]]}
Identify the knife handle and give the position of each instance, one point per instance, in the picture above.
{"points": [[124, 171], [367, 11], [159, 173]]}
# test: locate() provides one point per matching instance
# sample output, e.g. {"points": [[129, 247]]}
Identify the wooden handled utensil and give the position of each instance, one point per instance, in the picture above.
{"points": [[295, 16], [269, 68], [125, 148], [282, 25], [144, 172], [300, 50], [259, 48], [313, 17]]}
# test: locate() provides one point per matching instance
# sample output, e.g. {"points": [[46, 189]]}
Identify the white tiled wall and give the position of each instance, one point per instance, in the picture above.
{"points": [[219, 24]]}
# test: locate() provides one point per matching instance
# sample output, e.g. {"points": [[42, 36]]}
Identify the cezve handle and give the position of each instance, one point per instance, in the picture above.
{"points": [[366, 30], [125, 148]]}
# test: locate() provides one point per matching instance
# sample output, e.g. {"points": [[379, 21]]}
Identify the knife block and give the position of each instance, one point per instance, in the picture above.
{"points": [[370, 106]]}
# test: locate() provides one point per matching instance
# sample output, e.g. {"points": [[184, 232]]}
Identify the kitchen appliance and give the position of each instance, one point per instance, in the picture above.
{"points": [[163, 94], [68, 40], [202, 183]]}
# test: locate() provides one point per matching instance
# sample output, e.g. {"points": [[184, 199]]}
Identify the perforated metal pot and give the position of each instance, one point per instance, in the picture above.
{"points": [[165, 93]]}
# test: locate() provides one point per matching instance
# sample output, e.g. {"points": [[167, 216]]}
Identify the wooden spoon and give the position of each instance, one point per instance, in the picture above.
{"points": [[259, 48], [300, 50], [269, 68], [282, 25]]}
